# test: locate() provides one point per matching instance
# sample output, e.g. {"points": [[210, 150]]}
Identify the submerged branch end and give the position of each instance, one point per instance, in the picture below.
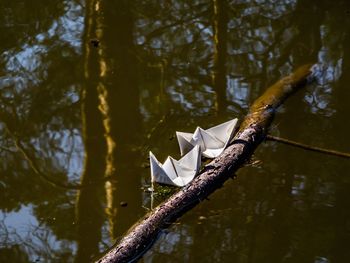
{"points": [[307, 147]]}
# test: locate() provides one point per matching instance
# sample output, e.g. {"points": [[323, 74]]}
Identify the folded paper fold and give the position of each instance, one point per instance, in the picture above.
{"points": [[212, 141], [176, 172]]}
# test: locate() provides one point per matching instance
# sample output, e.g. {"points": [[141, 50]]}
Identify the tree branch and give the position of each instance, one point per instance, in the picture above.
{"points": [[307, 147], [251, 133]]}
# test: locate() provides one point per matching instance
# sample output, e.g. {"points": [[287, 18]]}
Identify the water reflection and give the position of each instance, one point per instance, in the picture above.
{"points": [[87, 87]]}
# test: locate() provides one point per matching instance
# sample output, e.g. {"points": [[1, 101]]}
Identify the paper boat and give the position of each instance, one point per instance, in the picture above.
{"points": [[212, 141], [173, 172]]}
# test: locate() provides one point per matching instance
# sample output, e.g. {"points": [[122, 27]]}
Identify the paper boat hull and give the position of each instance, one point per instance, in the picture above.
{"points": [[212, 141], [173, 172]]}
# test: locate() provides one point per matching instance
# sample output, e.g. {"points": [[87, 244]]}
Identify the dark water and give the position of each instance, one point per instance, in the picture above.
{"points": [[88, 88]]}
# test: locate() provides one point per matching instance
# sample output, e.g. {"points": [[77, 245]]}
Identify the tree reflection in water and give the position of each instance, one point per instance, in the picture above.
{"points": [[84, 113]]}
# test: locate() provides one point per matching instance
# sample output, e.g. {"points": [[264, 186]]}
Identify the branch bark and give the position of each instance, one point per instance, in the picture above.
{"points": [[252, 132]]}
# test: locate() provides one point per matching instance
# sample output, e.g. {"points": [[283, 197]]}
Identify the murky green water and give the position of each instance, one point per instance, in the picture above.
{"points": [[87, 88]]}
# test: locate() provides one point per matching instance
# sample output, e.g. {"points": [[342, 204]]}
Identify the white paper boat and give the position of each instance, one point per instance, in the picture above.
{"points": [[173, 172], [212, 141]]}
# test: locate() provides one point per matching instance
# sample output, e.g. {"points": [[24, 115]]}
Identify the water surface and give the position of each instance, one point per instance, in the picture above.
{"points": [[87, 88]]}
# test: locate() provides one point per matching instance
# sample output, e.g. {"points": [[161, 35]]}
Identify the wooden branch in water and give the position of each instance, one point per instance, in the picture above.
{"points": [[251, 133], [307, 147]]}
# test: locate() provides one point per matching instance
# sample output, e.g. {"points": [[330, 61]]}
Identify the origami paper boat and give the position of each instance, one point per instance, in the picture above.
{"points": [[212, 141], [173, 172]]}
